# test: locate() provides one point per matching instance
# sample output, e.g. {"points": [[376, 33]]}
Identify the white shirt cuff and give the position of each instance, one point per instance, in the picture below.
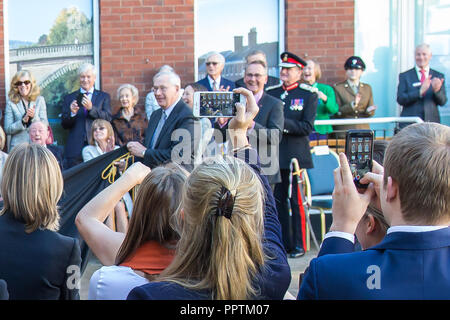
{"points": [[340, 234]]}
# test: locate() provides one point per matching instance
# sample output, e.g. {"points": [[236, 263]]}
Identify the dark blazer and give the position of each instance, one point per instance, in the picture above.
{"points": [[3, 290], [298, 124], [269, 117], [40, 265], [405, 265], [57, 152], [223, 82], [408, 96], [80, 124], [271, 82], [181, 117]]}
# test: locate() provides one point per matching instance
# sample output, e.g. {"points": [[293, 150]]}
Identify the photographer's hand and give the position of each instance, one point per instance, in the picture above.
{"points": [[348, 204]]}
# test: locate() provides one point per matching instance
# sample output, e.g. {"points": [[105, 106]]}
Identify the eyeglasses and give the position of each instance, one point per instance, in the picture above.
{"points": [[162, 89], [212, 63], [251, 75], [99, 129], [19, 83]]}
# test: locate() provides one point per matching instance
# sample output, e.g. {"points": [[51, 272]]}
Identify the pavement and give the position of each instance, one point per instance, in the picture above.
{"points": [[297, 265]]}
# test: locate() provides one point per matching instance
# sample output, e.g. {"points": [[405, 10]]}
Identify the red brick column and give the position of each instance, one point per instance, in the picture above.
{"points": [[324, 31], [139, 36]]}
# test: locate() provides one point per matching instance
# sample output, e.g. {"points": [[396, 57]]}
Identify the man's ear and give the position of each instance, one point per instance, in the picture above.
{"points": [[391, 189], [371, 224]]}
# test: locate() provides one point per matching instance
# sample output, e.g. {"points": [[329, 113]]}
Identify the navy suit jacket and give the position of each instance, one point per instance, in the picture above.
{"points": [[40, 265], [80, 124], [408, 96], [3, 290], [405, 265], [223, 83], [181, 117]]}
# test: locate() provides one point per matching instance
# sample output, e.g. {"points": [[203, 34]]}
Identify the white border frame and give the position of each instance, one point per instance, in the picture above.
{"points": [[281, 33], [95, 37]]}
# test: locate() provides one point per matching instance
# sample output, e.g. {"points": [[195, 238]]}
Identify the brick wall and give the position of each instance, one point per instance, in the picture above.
{"points": [[138, 36], [322, 30]]}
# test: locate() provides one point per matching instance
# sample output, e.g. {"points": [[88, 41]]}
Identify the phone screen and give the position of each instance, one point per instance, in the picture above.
{"points": [[218, 104], [359, 152]]}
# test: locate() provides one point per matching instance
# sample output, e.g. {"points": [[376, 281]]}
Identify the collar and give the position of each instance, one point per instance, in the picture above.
{"points": [[169, 110], [91, 90], [292, 86], [427, 69], [414, 228], [211, 81], [258, 96], [352, 85]]}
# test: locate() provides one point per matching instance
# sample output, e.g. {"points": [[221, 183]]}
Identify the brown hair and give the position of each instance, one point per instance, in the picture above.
{"points": [[31, 187], [98, 123], [217, 253], [14, 94], [418, 159], [260, 62], [157, 200]]}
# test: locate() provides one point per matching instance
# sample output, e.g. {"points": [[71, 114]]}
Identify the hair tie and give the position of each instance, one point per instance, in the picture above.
{"points": [[225, 204]]}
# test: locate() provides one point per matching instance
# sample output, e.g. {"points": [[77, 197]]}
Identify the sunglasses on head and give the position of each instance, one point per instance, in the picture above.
{"points": [[19, 83], [212, 63]]}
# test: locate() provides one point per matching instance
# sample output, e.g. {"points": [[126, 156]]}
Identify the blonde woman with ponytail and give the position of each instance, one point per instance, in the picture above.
{"points": [[230, 238]]}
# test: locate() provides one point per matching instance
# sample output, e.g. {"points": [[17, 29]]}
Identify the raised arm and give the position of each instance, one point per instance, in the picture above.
{"points": [[103, 241]]}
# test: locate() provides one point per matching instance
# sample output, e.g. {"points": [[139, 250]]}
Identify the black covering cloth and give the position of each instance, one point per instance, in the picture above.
{"points": [[82, 183]]}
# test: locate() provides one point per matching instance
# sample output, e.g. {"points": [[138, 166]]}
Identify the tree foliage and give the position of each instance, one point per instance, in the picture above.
{"points": [[70, 26]]}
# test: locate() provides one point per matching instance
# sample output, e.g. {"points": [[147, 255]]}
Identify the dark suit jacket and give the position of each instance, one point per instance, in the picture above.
{"points": [[271, 82], [223, 82], [38, 265], [181, 117], [80, 124], [3, 290], [269, 117], [408, 265], [57, 152], [408, 97]]}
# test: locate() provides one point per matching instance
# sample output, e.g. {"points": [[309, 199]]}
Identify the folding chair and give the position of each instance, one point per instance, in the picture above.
{"points": [[320, 185]]}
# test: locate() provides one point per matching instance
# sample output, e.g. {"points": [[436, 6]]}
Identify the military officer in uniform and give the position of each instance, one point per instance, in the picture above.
{"points": [[355, 99], [300, 106]]}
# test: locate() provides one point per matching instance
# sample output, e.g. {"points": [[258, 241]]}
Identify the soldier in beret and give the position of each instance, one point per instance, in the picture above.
{"points": [[355, 99], [300, 106]]}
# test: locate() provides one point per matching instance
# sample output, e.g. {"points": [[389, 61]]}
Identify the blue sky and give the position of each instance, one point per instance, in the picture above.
{"points": [[29, 19], [220, 20]]}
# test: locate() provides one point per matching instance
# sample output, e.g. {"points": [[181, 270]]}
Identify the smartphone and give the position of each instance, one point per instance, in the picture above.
{"points": [[212, 104], [359, 152], [80, 99]]}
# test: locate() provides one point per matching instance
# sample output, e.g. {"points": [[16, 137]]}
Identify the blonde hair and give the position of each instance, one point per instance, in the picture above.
{"points": [[14, 94], [418, 158], [317, 69], [31, 187], [97, 123], [216, 253], [2, 138]]}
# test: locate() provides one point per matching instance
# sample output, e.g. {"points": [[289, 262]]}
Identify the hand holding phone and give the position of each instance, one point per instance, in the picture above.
{"points": [[359, 152], [212, 104], [80, 99]]}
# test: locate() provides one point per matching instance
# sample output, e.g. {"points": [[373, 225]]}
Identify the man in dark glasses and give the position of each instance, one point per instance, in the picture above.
{"points": [[215, 62]]}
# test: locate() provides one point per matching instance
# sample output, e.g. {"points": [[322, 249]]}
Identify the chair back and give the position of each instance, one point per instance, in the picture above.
{"points": [[321, 176]]}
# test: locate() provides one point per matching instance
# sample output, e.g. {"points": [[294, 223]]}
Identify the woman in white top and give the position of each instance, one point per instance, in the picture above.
{"points": [[24, 106], [148, 247], [102, 141]]}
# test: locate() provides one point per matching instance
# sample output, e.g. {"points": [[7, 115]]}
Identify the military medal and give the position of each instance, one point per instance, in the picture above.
{"points": [[296, 105]]}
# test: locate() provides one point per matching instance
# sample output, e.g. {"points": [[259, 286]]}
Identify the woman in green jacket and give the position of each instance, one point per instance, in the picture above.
{"points": [[327, 100]]}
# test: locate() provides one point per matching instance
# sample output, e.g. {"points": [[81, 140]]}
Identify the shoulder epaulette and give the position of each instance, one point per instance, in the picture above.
{"points": [[307, 87], [273, 87]]}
